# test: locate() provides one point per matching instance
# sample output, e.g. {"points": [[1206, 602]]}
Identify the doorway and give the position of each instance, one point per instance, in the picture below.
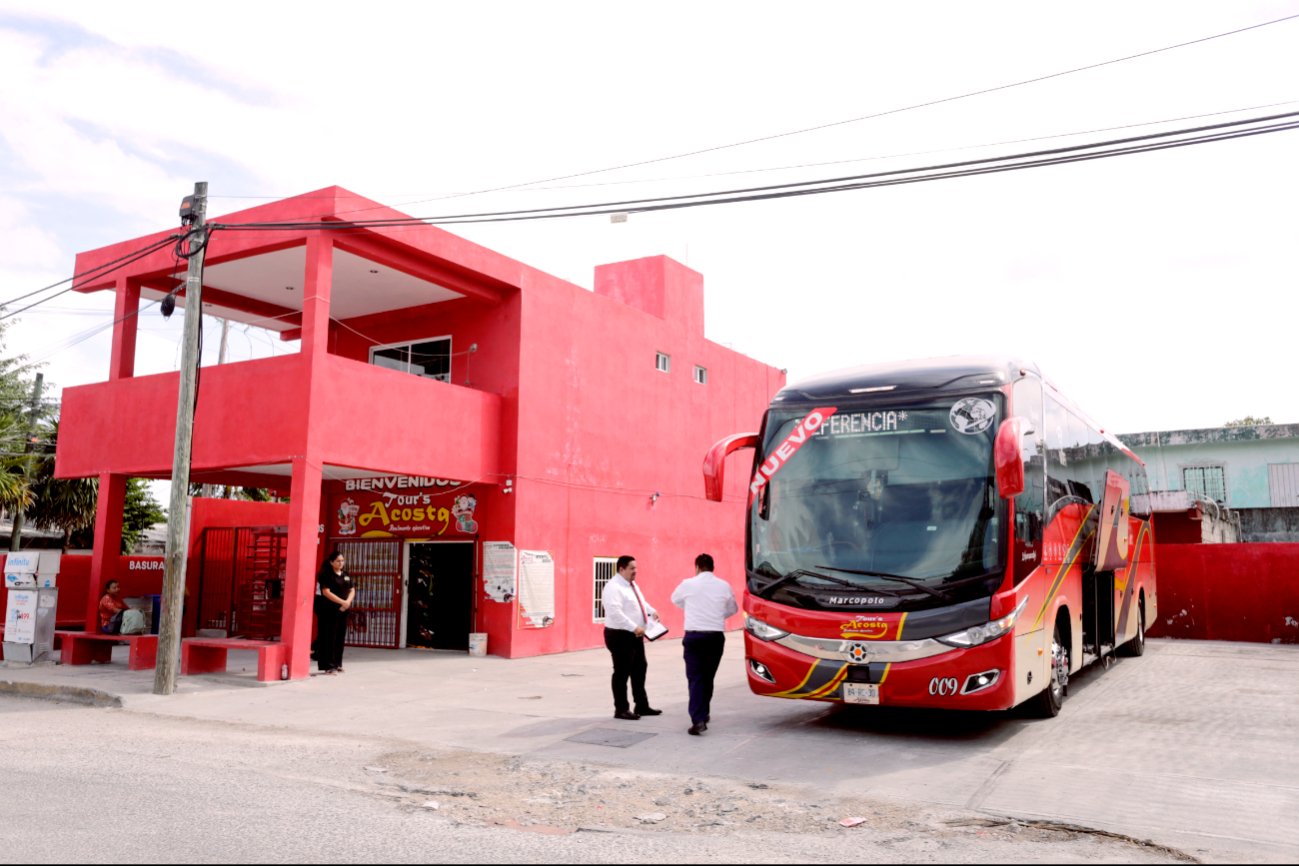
{"points": [[440, 594]]}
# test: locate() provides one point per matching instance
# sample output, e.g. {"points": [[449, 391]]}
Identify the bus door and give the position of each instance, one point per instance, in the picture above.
{"points": [[1110, 555]]}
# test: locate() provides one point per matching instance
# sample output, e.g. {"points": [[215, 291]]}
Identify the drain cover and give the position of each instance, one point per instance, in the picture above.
{"points": [[608, 737]]}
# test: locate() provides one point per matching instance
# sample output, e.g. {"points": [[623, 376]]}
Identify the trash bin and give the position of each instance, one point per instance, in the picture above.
{"points": [[478, 643]]}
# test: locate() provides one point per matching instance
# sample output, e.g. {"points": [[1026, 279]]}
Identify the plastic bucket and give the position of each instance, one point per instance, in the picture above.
{"points": [[478, 643]]}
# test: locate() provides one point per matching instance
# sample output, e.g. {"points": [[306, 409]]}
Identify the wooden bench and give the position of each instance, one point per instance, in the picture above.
{"points": [[208, 655], [86, 647]]}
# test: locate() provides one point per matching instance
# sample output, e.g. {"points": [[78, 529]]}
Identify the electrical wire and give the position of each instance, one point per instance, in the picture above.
{"points": [[99, 270], [1030, 159], [95, 272], [876, 115]]}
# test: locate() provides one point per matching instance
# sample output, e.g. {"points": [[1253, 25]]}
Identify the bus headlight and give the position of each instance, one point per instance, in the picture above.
{"points": [[975, 635], [761, 630]]}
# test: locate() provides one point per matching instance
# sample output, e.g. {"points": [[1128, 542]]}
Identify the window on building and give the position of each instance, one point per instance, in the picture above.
{"points": [[701, 375], [1208, 481], [1283, 484], [605, 567], [429, 358], [662, 363]]}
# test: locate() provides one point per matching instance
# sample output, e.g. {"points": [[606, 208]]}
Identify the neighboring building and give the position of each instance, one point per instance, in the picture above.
{"points": [[482, 439], [1247, 476]]}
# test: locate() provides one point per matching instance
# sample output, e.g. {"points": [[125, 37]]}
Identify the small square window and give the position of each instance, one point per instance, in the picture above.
{"points": [[604, 568], [662, 363], [701, 375]]}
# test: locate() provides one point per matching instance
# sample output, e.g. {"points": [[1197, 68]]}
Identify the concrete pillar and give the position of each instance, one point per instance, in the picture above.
{"points": [[127, 324], [108, 542]]}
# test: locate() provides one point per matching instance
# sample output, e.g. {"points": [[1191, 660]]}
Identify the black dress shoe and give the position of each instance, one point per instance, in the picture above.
{"points": [[649, 711], [698, 729], [626, 714]]}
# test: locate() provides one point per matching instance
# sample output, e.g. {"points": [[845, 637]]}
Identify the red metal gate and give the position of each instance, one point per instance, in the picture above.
{"points": [[241, 580], [375, 565]]}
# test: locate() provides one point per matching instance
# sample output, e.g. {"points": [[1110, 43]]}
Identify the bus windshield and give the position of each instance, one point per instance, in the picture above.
{"points": [[892, 503]]}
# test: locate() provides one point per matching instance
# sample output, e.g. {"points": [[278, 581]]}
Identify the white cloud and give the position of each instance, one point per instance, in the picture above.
{"points": [[1147, 285]]}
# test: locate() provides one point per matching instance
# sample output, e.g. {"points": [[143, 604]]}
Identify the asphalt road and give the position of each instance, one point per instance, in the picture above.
{"points": [[1184, 755]]}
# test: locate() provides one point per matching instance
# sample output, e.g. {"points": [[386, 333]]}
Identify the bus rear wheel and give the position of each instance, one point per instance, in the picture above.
{"points": [[1048, 702]]}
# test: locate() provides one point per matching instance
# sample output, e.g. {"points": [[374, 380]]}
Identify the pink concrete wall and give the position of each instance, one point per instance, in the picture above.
{"points": [[142, 575], [1241, 592], [601, 430], [248, 413]]}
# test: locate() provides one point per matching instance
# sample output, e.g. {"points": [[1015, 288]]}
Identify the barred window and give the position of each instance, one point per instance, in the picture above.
{"points": [[604, 569], [1208, 481]]}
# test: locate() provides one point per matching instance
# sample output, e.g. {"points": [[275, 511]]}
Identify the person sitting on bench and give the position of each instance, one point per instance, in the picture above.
{"points": [[111, 608]]}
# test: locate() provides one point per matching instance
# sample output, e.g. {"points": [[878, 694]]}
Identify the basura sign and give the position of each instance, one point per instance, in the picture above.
{"points": [[403, 508]]}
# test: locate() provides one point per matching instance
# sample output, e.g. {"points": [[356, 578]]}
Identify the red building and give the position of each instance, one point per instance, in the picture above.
{"points": [[482, 437]]}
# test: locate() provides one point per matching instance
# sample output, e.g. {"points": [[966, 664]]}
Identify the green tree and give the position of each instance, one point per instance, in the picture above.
{"points": [[1249, 421], [15, 420], [139, 512]]}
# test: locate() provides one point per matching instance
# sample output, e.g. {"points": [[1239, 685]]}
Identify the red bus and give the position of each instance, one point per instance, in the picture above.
{"points": [[948, 533]]}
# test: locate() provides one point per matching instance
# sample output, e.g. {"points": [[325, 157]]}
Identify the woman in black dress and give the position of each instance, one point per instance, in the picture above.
{"points": [[337, 591]]}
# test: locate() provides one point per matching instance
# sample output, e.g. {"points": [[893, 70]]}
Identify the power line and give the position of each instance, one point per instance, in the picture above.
{"points": [[98, 271], [1117, 147], [874, 116]]}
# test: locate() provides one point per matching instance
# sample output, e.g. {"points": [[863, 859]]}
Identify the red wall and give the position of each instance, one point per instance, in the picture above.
{"points": [[145, 578], [601, 430], [1243, 592], [74, 575]]}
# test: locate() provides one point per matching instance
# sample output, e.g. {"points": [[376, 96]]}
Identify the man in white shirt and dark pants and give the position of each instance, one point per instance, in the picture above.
{"points": [[708, 601], [626, 613]]}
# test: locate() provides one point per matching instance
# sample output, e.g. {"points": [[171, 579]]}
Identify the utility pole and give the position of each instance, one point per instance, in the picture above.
{"points": [[16, 537], [193, 213]]}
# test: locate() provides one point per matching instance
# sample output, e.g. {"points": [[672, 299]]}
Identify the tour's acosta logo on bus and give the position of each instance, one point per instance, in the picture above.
{"points": [[869, 627], [803, 431]]}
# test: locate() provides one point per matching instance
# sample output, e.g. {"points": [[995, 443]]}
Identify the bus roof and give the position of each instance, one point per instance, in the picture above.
{"points": [[931, 374], [956, 371]]}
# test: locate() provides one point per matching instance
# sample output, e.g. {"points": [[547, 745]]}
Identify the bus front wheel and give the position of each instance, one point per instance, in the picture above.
{"points": [[1047, 703], [1137, 646]]}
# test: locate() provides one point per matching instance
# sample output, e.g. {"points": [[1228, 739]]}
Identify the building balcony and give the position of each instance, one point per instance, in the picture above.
{"points": [[253, 418]]}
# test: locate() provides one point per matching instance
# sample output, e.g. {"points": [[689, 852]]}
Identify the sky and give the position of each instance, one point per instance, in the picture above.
{"points": [[1154, 288]]}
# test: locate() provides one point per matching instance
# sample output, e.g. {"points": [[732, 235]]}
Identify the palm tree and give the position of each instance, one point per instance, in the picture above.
{"points": [[15, 486]]}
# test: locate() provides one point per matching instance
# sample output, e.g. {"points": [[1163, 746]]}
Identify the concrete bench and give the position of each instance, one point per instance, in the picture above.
{"points": [[86, 647], [208, 655]]}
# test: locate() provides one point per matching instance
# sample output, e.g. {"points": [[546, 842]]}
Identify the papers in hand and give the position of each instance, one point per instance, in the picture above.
{"points": [[654, 629]]}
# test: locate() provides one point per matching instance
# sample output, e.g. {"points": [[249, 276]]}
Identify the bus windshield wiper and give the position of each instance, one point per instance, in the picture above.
{"points": [[909, 581], [796, 573]]}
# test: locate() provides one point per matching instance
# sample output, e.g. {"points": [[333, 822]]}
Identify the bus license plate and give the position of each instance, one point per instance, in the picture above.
{"points": [[861, 693]]}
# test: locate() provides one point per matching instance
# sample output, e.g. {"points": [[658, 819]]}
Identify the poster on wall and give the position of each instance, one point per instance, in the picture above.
{"points": [[20, 616], [536, 588], [402, 507], [500, 571]]}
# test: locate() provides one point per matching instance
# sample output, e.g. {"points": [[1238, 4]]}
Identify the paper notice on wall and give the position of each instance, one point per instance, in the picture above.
{"points": [[536, 588], [20, 616], [500, 571]]}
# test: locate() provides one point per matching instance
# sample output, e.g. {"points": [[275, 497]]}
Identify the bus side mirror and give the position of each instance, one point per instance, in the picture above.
{"points": [[1008, 458], [715, 461]]}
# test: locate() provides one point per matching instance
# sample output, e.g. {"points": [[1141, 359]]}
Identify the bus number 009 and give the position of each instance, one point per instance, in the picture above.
{"points": [[943, 686]]}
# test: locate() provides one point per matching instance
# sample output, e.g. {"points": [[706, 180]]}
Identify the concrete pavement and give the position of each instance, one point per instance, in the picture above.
{"points": [[1190, 746]]}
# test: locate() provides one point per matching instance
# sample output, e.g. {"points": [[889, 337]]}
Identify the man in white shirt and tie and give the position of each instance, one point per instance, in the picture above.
{"points": [[626, 613], [708, 601]]}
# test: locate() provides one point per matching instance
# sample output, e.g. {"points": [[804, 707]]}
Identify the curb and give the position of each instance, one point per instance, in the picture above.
{"points": [[65, 694]]}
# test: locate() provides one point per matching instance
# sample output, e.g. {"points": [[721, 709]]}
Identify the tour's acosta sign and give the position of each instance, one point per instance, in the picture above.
{"points": [[402, 507]]}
